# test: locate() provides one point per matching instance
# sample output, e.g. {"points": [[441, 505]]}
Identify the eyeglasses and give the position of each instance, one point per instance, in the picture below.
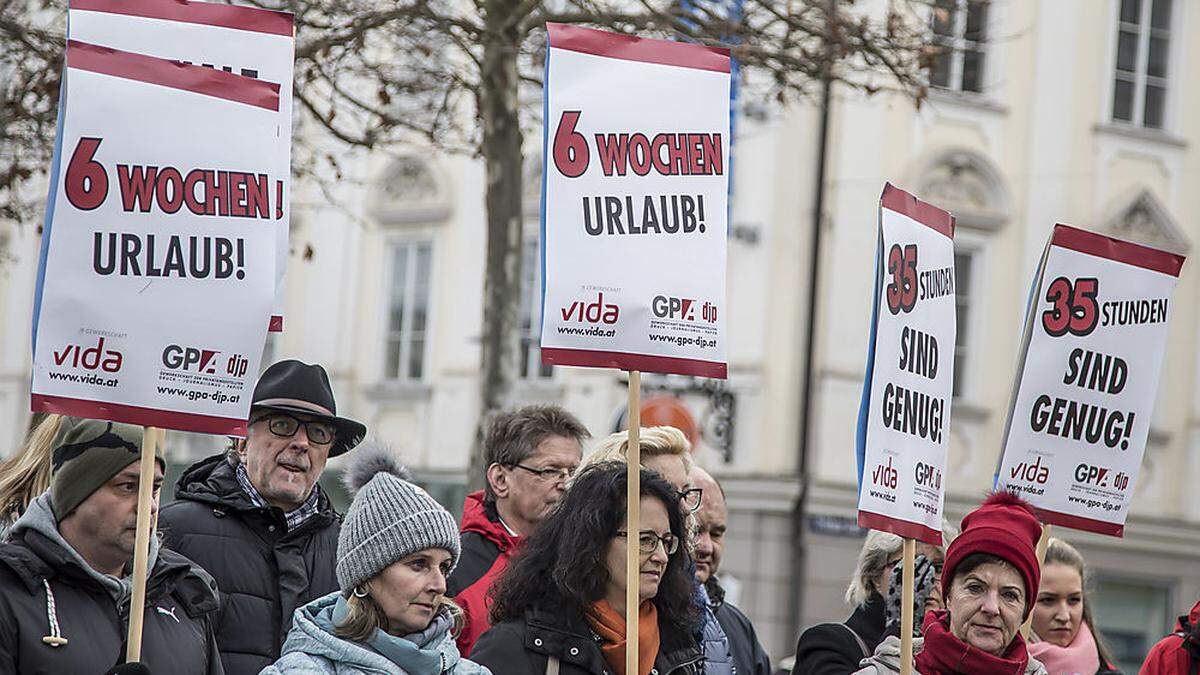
{"points": [[549, 474], [690, 498], [648, 542], [285, 426]]}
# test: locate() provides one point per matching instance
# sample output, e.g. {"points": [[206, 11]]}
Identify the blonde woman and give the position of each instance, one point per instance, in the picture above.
{"points": [[396, 548], [26, 474]]}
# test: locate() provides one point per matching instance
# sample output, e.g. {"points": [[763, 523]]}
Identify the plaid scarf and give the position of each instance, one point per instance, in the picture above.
{"points": [[294, 519]]}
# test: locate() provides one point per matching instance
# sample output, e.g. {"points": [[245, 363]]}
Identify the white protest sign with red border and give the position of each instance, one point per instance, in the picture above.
{"points": [[635, 201], [154, 296], [1095, 338], [904, 417], [245, 41]]}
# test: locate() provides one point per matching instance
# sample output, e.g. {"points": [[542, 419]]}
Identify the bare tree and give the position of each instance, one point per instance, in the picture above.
{"points": [[462, 76]]}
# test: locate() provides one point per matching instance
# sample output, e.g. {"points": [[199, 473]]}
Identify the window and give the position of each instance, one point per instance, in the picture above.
{"points": [[960, 33], [1131, 616], [408, 310], [964, 263], [1140, 80], [531, 311]]}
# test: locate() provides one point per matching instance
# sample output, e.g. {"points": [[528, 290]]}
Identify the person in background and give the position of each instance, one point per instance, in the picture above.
{"points": [[990, 579], [837, 648], [531, 454], [712, 518], [396, 548], [1179, 652], [26, 474], [560, 605], [1064, 636], [66, 570], [667, 451], [255, 517]]}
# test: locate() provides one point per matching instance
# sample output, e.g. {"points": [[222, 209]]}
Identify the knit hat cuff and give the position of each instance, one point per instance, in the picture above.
{"points": [[1000, 543], [431, 528]]}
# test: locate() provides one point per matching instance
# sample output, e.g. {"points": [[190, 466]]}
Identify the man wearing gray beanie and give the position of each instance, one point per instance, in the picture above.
{"points": [[396, 548], [65, 583]]}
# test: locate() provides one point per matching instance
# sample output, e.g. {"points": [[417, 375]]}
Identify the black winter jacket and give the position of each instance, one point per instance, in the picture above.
{"points": [[177, 633], [524, 646], [749, 657], [830, 649], [263, 571]]}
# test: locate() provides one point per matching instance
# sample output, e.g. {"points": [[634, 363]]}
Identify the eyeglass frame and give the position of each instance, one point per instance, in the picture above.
{"points": [[670, 549], [274, 414], [683, 498], [563, 475]]}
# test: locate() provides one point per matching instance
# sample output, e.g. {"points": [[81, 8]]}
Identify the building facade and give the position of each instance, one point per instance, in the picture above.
{"points": [[1073, 111]]}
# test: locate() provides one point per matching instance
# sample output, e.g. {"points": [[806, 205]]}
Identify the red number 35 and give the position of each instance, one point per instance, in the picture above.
{"points": [[1073, 307], [902, 289]]}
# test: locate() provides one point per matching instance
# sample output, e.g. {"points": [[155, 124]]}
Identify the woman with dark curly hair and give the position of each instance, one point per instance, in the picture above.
{"points": [[560, 605]]}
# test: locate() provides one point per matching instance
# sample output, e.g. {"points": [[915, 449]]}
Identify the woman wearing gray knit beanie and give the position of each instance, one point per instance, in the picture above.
{"points": [[396, 548]]}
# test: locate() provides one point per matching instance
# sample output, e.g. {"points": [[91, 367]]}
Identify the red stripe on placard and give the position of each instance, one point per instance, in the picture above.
{"points": [[939, 220], [633, 48], [173, 74], [624, 361], [1080, 523], [903, 528], [1127, 252], [204, 13], [276, 324], [130, 414]]}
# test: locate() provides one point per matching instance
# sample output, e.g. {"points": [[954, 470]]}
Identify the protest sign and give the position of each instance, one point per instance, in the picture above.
{"points": [[1095, 334], [635, 192], [157, 272], [245, 41], [904, 415]]}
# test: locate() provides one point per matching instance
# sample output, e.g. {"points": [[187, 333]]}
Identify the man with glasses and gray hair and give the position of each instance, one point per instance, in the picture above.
{"points": [[256, 519], [531, 455]]}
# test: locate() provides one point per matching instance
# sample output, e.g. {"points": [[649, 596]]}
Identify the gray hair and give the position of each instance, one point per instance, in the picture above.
{"points": [[513, 435], [873, 560]]}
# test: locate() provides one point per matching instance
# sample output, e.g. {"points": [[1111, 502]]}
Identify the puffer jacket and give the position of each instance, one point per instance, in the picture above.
{"points": [[48, 590], [524, 647], [886, 659], [312, 648], [1173, 655], [749, 657], [263, 571], [486, 549]]}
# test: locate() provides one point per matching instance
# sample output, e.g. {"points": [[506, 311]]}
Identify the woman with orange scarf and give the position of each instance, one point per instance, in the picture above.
{"points": [[560, 605]]}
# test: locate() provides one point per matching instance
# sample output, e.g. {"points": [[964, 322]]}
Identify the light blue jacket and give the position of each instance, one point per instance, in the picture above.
{"points": [[312, 648]]}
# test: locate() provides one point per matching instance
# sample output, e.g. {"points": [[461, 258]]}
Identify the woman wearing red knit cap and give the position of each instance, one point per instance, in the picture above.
{"points": [[989, 582]]}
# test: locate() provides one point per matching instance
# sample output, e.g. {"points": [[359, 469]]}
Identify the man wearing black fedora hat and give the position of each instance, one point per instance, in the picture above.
{"points": [[257, 520]]}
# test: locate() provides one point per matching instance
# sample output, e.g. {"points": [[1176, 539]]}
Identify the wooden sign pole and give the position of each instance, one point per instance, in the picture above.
{"points": [[141, 552], [1042, 545], [906, 607], [633, 509]]}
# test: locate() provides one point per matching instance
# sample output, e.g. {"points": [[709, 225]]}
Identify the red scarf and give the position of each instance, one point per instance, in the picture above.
{"points": [[944, 654]]}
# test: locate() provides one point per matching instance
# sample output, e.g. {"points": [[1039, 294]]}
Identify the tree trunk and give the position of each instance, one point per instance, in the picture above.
{"points": [[502, 280]]}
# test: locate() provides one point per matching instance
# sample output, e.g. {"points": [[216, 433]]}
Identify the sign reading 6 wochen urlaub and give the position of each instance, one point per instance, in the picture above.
{"points": [[1095, 335], [904, 416], [157, 275], [635, 203]]}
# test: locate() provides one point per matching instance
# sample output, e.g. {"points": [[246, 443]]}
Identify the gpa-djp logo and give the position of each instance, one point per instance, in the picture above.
{"points": [[203, 361], [683, 309]]}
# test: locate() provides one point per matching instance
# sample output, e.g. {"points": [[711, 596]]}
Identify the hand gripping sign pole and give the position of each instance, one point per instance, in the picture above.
{"points": [[633, 526], [141, 552]]}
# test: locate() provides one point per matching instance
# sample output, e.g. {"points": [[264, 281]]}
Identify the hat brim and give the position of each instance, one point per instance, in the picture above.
{"points": [[349, 432]]}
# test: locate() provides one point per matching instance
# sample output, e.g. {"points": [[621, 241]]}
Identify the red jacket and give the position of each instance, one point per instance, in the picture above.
{"points": [[1168, 657], [486, 549]]}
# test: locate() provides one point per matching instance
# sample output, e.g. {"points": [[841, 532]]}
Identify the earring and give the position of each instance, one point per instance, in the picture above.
{"points": [[359, 592]]}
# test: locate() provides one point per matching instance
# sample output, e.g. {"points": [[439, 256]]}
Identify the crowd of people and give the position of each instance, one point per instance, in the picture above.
{"points": [[254, 571]]}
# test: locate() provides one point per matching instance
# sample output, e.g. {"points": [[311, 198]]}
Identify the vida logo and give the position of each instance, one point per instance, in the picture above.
{"points": [[1031, 473], [92, 358], [885, 475], [592, 312]]}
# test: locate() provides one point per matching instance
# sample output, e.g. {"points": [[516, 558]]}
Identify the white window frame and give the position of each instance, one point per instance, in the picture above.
{"points": [[412, 242], [1141, 76], [975, 246], [957, 43], [531, 298]]}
